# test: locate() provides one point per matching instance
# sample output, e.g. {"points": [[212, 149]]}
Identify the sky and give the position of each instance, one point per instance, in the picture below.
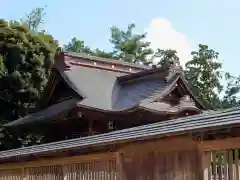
{"points": [[175, 24]]}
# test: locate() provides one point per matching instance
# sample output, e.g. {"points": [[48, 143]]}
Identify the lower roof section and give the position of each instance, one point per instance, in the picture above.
{"points": [[209, 120], [48, 114], [45, 114]]}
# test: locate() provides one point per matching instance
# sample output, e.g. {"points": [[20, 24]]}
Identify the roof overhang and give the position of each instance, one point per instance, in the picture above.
{"points": [[46, 114], [51, 113]]}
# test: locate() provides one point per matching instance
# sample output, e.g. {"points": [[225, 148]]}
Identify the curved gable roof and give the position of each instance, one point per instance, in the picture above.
{"points": [[94, 85], [114, 91]]}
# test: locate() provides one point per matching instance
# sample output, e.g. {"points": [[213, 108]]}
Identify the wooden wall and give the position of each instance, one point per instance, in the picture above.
{"points": [[167, 159]]}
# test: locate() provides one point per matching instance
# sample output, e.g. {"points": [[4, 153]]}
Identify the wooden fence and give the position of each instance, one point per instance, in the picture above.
{"points": [[140, 166], [96, 169], [222, 165], [178, 159]]}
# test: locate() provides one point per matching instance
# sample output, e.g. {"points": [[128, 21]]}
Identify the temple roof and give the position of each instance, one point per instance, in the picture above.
{"points": [[111, 90], [100, 61], [103, 90], [209, 120]]}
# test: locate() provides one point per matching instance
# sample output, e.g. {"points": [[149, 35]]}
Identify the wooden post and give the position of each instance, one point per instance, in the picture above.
{"points": [[204, 161], [120, 170], [236, 153], [65, 172], [24, 174]]}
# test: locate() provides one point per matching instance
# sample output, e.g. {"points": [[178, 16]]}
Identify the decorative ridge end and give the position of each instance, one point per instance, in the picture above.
{"points": [[187, 99], [173, 69]]}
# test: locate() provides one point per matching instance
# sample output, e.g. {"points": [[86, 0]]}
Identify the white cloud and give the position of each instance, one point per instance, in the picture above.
{"points": [[162, 35]]}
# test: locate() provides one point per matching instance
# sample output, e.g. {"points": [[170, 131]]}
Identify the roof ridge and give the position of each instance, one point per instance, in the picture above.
{"points": [[142, 73], [108, 60]]}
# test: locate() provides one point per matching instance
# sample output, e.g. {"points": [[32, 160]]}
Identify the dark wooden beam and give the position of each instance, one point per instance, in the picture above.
{"points": [[211, 134]]}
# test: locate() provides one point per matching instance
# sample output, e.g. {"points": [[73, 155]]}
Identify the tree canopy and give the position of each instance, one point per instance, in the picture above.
{"points": [[129, 46], [203, 74], [26, 58]]}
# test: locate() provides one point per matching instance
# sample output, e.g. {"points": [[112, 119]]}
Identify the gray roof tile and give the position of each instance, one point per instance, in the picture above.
{"points": [[133, 94], [101, 89], [94, 85]]}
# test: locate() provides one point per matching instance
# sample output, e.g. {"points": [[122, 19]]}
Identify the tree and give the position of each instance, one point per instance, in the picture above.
{"points": [[25, 62], [78, 46], [167, 57], [34, 19], [127, 46], [104, 54], [230, 98], [203, 74], [130, 47]]}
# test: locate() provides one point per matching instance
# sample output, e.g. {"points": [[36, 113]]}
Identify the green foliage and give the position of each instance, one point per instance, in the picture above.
{"points": [[167, 57], [100, 53], [127, 46], [77, 46], [130, 47], [203, 74], [230, 98], [25, 62], [34, 19]]}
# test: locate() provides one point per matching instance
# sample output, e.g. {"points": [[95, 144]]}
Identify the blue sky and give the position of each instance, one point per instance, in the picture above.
{"points": [[175, 23]]}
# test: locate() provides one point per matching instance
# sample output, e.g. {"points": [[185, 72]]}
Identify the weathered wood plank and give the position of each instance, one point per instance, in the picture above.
{"points": [[229, 143], [237, 164]]}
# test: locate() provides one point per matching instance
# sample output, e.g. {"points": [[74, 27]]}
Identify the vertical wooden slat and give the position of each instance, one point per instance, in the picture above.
{"points": [[177, 166], [111, 169], [120, 170], [214, 165], [204, 157], [81, 171], [24, 174], [65, 172], [90, 170], [94, 169], [220, 165], [230, 165], [225, 154], [209, 166], [236, 154]]}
